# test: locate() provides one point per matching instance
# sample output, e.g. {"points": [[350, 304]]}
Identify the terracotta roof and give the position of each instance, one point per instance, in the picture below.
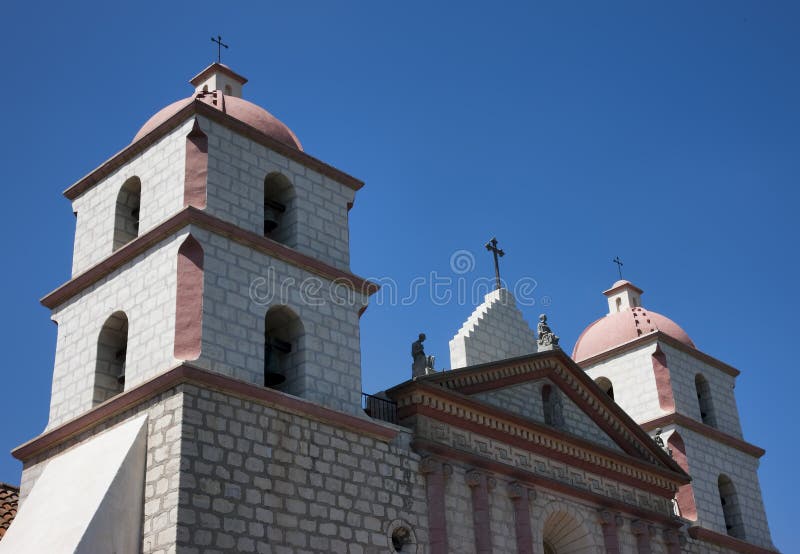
{"points": [[9, 498]]}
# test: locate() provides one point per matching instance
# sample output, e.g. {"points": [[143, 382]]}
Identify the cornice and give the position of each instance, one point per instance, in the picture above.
{"points": [[193, 216], [572, 380], [201, 108], [705, 430], [726, 541], [188, 373], [666, 339], [480, 418]]}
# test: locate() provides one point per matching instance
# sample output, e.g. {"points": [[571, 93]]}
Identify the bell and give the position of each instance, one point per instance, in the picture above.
{"points": [[273, 350], [272, 211]]}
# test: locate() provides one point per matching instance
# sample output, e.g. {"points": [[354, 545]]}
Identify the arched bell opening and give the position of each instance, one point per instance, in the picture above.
{"points": [[704, 400], [731, 509], [112, 353], [126, 215], [283, 350], [279, 212], [606, 385]]}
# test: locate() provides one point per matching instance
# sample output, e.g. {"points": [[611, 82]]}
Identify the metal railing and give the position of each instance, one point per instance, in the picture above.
{"points": [[379, 408]]}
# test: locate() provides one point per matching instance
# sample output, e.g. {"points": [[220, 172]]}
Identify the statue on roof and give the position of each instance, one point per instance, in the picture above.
{"points": [[547, 339], [422, 364]]}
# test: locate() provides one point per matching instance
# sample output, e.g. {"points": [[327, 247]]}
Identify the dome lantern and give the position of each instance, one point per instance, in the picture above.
{"points": [[220, 77]]}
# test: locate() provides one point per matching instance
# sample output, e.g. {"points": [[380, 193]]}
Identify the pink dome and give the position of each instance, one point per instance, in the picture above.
{"points": [[619, 328], [244, 111]]}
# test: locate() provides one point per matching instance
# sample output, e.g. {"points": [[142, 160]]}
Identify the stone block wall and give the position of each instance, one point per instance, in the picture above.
{"points": [[496, 330], [708, 459], [144, 289], [237, 167], [256, 478], [160, 169], [683, 368], [162, 470], [631, 374], [526, 400], [240, 285]]}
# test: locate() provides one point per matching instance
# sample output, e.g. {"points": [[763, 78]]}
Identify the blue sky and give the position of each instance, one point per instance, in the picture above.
{"points": [[665, 133]]}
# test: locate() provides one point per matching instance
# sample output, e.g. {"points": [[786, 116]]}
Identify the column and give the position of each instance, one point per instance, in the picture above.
{"points": [[673, 541], [610, 521], [643, 533], [435, 474], [479, 483], [520, 498]]}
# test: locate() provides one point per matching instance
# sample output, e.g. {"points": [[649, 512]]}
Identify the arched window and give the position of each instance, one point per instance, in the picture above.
{"points": [[228, 90], [605, 384], [126, 218], [112, 351], [731, 511], [283, 350], [279, 214], [619, 304], [703, 389], [552, 407]]}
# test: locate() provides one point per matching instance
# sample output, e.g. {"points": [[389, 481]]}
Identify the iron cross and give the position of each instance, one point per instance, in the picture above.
{"points": [[220, 45], [492, 247], [619, 265]]}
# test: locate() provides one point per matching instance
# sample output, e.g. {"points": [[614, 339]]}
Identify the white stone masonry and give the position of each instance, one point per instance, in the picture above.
{"points": [[495, 331]]}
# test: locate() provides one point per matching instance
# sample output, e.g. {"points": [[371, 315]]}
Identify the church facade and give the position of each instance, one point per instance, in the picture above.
{"points": [[202, 404]]}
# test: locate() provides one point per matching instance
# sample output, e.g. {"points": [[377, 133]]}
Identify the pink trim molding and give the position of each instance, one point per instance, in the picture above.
{"points": [[520, 498], [685, 495], [705, 430], [189, 301], [609, 521], [727, 541], [187, 373], [478, 483], [193, 216], [435, 474], [666, 400], [196, 175]]}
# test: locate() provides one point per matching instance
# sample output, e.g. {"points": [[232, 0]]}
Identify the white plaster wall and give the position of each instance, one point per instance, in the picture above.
{"points": [[707, 460], [144, 288], [161, 169], [683, 368], [235, 303], [526, 400], [161, 480], [237, 167], [634, 382], [496, 330]]}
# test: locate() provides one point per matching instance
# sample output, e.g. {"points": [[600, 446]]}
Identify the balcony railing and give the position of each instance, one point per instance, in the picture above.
{"points": [[379, 408]]}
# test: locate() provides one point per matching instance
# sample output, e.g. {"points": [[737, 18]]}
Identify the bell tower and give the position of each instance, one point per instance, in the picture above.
{"points": [[211, 238], [654, 371]]}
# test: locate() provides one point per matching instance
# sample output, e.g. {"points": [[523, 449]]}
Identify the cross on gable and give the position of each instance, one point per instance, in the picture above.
{"points": [[497, 253]]}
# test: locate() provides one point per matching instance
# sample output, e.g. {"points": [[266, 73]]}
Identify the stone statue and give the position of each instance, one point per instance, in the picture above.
{"points": [[422, 364], [547, 339], [660, 442]]}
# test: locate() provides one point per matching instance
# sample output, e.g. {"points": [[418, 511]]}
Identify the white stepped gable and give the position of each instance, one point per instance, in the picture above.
{"points": [[495, 331], [88, 500]]}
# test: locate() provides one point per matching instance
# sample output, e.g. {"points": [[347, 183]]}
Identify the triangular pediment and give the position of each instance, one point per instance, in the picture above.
{"points": [[501, 389], [543, 401]]}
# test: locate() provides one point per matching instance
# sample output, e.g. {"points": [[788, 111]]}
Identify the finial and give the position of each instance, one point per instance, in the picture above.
{"points": [[220, 45]]}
